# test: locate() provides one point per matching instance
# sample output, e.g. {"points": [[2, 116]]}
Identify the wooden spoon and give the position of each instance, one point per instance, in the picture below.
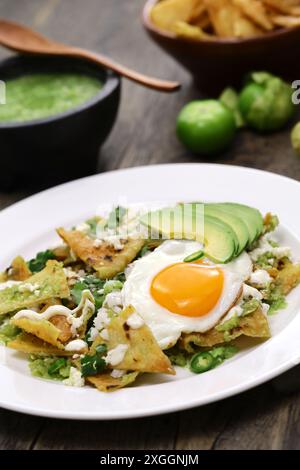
{"points": [[23, 39]]}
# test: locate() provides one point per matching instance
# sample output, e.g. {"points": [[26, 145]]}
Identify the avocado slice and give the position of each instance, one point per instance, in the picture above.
{"points": [[219, 239], [235, 222], [252, 218]]}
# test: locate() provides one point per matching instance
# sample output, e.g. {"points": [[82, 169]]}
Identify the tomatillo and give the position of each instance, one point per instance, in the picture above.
{"points": [[206, 127], [266, 102]]}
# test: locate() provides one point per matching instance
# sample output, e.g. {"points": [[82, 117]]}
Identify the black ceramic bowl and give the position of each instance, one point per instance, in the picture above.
{"points": [[60, 147]]}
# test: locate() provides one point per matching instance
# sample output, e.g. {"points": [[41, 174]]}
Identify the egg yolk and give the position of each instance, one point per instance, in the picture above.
{"points": [[189, 289]]}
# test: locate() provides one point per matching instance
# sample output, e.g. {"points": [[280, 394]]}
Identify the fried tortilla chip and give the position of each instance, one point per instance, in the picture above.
{"points": [[42, 329], [228, 20], [254, 325], [104, 258], [288, 278], [185, 30], [283, 6], [286, 21], [256, 11], [30, 344], [57, 330], [19, 270], [107, 383], [143, 353], [165, 13], [50, 282]]}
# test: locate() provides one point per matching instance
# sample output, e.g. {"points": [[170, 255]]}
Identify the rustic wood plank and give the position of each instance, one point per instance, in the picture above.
{"points": [[148, 433], [18, 431], [261, 419]]}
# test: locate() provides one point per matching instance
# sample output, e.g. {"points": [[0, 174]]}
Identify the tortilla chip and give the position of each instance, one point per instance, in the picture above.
{"points": [[143, 354], [42, 329], [288, 278], [19, 270], [165, 13], [286, 21], [256, 11], [57, 330], [228, 20], [185, 30], [104, 259], [254, 325], [107, 383], [51, 282], [30, 344], [283, 6]]}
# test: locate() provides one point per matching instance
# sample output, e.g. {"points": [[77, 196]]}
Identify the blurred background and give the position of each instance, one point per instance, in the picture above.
{"points": [[144, 132]]}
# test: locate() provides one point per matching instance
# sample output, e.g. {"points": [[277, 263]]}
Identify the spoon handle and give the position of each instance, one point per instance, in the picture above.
{"points": [[154, 83]]}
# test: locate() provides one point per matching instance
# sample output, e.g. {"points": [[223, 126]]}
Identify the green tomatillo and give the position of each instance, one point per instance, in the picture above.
{"points": [[266, 102]]}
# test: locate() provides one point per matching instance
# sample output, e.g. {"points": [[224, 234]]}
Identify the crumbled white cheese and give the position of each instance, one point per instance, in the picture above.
{"points": [[75, 379], [113, 300], [117, 374], [7, 284], [249, 291], [102, 319], [76, 345], [104, 334], [281, 252], [135, 321], [93, 334], [265, 308], [116, 355], [265, 246], [84, 227], [260, 278], [28, 287]]}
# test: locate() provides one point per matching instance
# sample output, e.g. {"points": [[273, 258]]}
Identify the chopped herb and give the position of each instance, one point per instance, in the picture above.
{"points": [[53, 368], [94, 284], [57, 365], [115, 217], [39, 262], [92, 365]]}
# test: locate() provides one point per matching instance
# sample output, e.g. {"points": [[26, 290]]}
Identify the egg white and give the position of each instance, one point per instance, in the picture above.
{"points": [[166, 326]]}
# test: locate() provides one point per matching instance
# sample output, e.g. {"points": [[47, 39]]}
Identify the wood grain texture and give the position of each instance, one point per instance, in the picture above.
{"points": [[263, 418]]}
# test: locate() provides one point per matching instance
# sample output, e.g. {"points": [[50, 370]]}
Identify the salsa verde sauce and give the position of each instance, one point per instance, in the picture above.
{"points": [[37, 96]]}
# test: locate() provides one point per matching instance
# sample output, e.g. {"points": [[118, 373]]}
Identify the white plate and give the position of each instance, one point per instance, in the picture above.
{"points": [[29, 225]]}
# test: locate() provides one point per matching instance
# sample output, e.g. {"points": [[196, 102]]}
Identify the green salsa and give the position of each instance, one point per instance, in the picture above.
{"points": [[37, 96]]}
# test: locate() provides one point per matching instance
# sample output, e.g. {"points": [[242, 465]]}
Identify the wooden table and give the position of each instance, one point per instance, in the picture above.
{"points": [[144, 134]]}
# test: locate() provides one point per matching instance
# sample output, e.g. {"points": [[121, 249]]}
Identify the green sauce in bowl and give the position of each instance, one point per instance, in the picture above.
{"points": [[38, 96]]}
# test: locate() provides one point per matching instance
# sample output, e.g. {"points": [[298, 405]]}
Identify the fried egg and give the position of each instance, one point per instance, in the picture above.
{"points": [[175, 297]]}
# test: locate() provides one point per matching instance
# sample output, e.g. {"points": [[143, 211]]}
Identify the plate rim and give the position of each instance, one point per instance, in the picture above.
{"points": [[82, 415]]}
